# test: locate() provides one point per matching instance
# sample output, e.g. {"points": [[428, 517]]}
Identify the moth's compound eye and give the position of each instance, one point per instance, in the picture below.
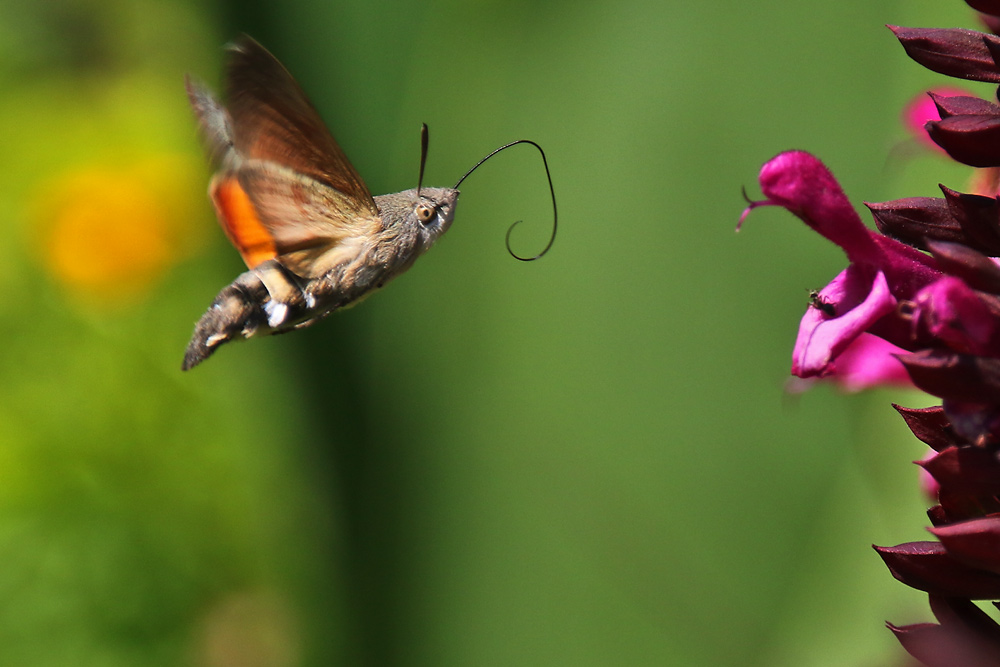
{"points": [[425, 213]]}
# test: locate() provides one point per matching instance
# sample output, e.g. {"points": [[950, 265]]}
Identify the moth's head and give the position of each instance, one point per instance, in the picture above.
{"points": [[426, 215], [434, 210]]}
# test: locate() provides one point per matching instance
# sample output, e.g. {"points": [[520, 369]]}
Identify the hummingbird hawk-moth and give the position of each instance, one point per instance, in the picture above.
{"points": [[313, 237]]}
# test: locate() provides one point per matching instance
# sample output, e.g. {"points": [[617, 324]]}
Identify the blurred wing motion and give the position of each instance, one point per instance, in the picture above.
{"points": [[284, 189]]}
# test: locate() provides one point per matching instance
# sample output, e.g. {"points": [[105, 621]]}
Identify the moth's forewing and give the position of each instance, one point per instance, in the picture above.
{"points": [[273, 120], [213, 121], [285, 190], [306, 219]]}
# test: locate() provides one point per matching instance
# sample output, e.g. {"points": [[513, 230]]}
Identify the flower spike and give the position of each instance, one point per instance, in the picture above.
{"points": [[921, 298]]}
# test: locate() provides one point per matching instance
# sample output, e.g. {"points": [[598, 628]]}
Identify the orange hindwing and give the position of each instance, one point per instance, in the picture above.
{"points": [[240, 221]]}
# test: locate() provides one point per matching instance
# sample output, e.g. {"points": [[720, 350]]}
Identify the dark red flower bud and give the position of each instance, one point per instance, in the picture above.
{"points": [[914, 220], [976, 269], [990, 22], [974, 471], [985, 6], [938, 516], [963, 105], [977, 423], [926, 566], [971, 139], [930, 425], [959, 506], [929, 643], [954, 376], [966, 636], [975, 543], [979, 218], [964, 54], [936, 646], [951, 612]]}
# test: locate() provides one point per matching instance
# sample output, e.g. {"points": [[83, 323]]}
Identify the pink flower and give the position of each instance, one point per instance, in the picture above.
{"points": [[953, 313], [864, 298], [870, 361]]}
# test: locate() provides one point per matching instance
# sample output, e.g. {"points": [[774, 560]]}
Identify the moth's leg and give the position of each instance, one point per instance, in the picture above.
{"points": [[288, 301], [326, 294], [306, 323]]}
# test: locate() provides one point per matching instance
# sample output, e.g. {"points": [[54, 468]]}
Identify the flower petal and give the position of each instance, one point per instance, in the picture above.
{"points": [[952, 312], [802, 184], [821, 338], [928, 484], [870, 361]]}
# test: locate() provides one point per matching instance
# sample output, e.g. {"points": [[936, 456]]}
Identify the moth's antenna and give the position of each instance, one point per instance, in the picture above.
{"points": [[552, 191], [423, 156]]}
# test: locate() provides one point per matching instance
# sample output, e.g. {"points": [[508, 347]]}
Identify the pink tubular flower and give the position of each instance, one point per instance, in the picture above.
{"points": [[882, 273], [921, 297], [955, 314]]}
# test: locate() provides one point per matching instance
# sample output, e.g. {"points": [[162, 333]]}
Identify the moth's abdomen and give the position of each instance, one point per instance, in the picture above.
{"points": [[266, 300], [237, 312]]}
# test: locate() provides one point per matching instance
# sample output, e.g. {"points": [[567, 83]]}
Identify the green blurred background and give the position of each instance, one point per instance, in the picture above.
{"points": [[586, 460]]}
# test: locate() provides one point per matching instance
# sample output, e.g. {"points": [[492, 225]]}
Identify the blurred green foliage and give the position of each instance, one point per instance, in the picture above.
{"points": [[585, 460]]}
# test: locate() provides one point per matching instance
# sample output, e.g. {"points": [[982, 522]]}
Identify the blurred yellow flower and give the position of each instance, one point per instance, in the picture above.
{"points": [[112, 232]]}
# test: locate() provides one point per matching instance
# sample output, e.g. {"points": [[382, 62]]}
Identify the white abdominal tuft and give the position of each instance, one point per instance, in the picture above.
{"points": [[276, 313]]}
